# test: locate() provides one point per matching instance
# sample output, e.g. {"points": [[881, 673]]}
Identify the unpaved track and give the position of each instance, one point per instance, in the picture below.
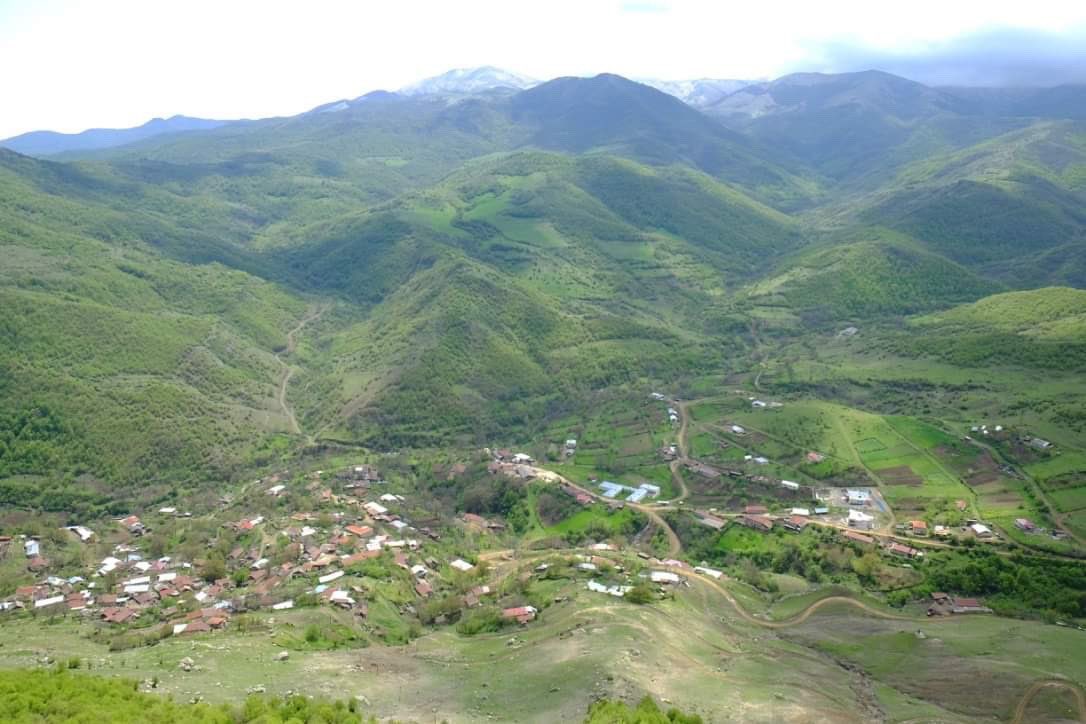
{"points": [[676, 464], [1035, 688], [675, 546], [288, 370]]}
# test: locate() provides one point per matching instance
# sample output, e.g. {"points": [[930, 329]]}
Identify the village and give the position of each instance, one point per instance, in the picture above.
{"points": [[337, 552]]}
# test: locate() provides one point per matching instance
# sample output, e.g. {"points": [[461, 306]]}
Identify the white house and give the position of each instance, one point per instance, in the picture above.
{"points": [[84, 533], [664, 577], [330, 577], [858, 497], [616, 590], [863, 521]]}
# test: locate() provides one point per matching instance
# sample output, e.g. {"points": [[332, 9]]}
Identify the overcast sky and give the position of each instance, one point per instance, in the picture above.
{"points": [[73, 64]]}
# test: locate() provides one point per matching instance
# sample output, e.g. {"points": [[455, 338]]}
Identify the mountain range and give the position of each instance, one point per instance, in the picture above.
{"points": [[477, 254]]}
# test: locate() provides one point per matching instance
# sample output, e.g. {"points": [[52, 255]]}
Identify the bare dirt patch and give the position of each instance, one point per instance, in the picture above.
{"points": [[901, 475]]}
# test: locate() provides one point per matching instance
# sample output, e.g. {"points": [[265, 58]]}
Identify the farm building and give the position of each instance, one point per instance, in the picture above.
{"points": [[980, 530], [902, 551]]}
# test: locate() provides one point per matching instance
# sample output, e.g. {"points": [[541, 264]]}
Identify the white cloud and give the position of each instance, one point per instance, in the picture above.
{"points": [[71, 64]]}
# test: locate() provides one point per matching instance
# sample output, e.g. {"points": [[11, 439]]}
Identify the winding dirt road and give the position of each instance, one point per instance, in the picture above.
{"points": [[288, 370], [1032, 691]]}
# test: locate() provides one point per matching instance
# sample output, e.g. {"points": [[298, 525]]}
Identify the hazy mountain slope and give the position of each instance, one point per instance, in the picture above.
{"points": [[853, 125], [609, 113], [149, 370], [1058, 102], [45, 143], [493, 261], [700, 92]]}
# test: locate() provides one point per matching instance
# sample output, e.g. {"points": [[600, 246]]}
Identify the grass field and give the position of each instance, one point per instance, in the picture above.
{"points": [[691, 649], [969, 666]]}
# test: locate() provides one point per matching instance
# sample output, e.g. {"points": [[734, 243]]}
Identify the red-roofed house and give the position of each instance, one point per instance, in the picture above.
{"points": [[520, 614]]}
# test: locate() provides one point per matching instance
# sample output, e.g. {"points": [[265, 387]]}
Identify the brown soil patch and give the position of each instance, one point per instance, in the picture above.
{"points": [[981, 478], [901, 475]]}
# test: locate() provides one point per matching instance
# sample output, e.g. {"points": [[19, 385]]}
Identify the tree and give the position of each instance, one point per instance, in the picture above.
{"points": [[214, 567], [642, 593]]}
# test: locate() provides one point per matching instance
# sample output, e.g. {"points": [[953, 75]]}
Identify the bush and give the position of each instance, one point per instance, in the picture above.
{"points": [[483, 620], [642, 593]]}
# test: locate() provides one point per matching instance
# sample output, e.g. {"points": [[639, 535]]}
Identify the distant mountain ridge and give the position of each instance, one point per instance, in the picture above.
{"points": [[782, 111], [46, 143]]}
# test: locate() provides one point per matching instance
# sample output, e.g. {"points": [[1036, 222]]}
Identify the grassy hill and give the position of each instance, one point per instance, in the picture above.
{"points": [[865, 279], [1042, 328]]}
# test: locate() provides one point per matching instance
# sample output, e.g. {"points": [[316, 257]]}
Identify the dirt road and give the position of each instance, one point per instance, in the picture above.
{"points": [[1032, 691], [288, 370], [675, 546], [676, 465]]}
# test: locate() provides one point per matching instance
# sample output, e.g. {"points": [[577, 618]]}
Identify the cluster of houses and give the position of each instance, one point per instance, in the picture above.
{"points": [[312, 560], [672, 413], [517, 465], [1000, 432], [124, 585], [756, 517]]}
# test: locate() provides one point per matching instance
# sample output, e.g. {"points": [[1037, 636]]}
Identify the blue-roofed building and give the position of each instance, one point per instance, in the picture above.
{"points": [[611, 490]]}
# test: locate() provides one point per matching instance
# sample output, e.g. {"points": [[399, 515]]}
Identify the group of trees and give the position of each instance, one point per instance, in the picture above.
{"points": [[39, 696], [1013, 586], [33, 696]]}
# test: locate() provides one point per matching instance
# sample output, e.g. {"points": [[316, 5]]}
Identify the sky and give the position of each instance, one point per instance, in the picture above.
{"points": [[69, 65]]}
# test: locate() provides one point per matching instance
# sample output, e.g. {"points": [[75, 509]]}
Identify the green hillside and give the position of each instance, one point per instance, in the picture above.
{"points": [[474, 286], [511, 287], [1043, 328], [999, 207], [870, 279], [122, 367]]}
